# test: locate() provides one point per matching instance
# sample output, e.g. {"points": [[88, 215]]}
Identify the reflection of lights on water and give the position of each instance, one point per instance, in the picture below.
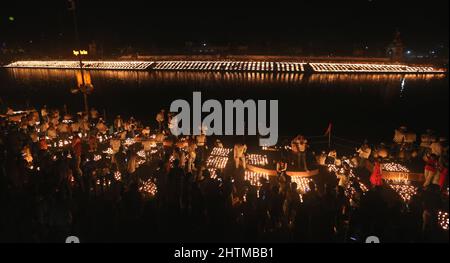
{"points": [[112, 65], [443, 219], [402, 85]]}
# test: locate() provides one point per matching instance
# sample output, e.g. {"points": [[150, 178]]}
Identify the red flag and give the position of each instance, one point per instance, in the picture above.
{"points": [[328, 131]]}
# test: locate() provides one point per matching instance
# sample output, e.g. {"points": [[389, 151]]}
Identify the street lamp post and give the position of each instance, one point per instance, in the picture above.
{"points": [[79, 53], [84, 86]]}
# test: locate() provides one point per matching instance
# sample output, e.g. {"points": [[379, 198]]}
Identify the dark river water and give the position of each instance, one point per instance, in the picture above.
{"points": [[359, 105]]}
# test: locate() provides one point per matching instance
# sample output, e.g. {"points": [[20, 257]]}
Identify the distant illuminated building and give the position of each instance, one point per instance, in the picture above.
{"points": [[395, 49]]}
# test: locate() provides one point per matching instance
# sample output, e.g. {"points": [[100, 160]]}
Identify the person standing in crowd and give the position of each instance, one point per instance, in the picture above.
{"points": [[301, 145], [52, 132], [431, 172], [218, 144], [281, 167], [77, 149], [179, 155], [425, 142], [160, 117], [92, 141], [44, 113], [364, 153], [322, 158], [436, 147], [331, 158], [75, 126], [192, 155], [146, 132], [201, 146], [400, 134], [344, 175], [376, 178], [239, 155], [94, 115], [43, 127], [101, 127], [131, 126], [132, 163], [118, 124]]}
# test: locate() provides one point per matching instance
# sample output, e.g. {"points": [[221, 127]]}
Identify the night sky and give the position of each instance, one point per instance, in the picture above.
{"points": [[327, 25]]}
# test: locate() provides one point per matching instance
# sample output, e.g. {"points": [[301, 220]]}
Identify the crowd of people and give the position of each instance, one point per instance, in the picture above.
{"points": [[64, 174]]}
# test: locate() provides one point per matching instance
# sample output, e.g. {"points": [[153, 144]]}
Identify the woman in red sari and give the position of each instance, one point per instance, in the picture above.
{"points": [[375, 178]]}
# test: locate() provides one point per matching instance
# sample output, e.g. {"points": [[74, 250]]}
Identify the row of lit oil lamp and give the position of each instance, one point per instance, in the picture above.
{"points": [[217, 162], [257, 159], [394, 167], [349, 190], [227, 66], [131, 65], [221, 151], [352, 67], [61, 143], [406, 192], [97, 157], [255, 179], [401, 184], [443, 219], [149, 187], [230, 66], [218, 159]]}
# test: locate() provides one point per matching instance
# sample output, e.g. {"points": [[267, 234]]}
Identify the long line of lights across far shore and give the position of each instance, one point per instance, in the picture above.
{"points": [[248, 66]]}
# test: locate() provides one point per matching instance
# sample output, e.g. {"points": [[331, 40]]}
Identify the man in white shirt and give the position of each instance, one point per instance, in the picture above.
{"points": [[364, 153], [239, 155], [436, 147]]}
